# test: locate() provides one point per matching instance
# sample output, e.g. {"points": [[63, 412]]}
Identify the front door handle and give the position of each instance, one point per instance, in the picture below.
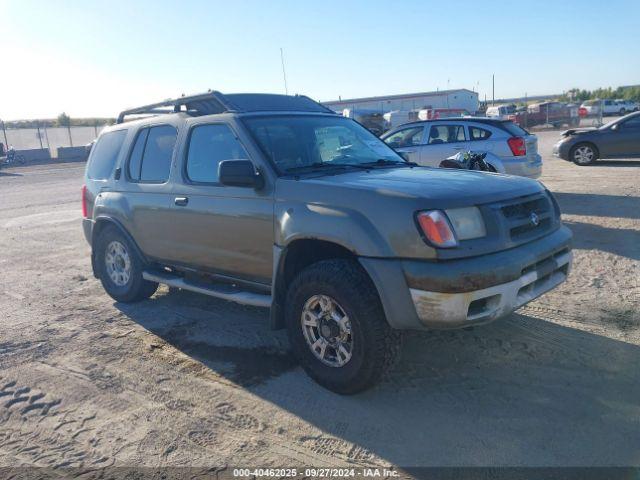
{"points": [[181, 201]]}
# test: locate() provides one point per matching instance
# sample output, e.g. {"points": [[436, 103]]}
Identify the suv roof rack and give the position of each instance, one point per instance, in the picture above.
{"points": [[213, 102]]}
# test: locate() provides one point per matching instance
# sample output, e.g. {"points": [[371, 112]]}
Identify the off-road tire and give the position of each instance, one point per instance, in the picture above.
{"points": [[376, 345], [577, 146], [137, 288]]}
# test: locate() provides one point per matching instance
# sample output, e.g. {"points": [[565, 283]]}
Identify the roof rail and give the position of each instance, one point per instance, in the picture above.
{"points": [[215, 102], [200, 104]]}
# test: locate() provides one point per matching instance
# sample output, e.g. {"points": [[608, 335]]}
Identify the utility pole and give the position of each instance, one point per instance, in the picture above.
{"points": [[39, 133], [284, 73], [493, 89], [4, 132]]}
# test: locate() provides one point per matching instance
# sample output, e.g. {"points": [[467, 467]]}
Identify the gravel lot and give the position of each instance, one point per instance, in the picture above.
{"points": [[184, 379]]}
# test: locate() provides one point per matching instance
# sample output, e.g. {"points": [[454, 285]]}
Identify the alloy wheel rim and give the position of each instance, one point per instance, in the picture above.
{"points": [[327, 330], [118, 263], [583, 155]]}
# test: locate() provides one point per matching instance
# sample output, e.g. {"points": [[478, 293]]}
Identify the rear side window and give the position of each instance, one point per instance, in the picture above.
{"points": [[208, 146], [150, 159], [104, 154], [446, 134], [477, 133]]}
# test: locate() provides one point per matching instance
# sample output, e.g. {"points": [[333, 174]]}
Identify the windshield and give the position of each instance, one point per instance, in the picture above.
{"points": [[297, 142]]}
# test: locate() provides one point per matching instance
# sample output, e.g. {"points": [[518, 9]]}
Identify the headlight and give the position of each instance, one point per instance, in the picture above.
{"points": [[467, 222], [445, 228]]}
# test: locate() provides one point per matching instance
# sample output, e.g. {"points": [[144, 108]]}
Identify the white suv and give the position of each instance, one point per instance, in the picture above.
{"points": [[510, 149]]}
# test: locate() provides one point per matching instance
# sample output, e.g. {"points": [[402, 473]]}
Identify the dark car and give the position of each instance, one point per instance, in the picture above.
{"points": [[617, 139]]}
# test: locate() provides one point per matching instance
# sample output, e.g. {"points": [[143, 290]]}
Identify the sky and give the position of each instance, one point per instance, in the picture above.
{"points": [[95, 58]]}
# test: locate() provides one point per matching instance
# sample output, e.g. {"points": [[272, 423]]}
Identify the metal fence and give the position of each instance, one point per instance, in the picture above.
{"points": [[48, 138]]}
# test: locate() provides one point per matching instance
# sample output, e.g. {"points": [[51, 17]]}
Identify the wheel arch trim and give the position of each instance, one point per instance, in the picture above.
{"points": [[101, 222]]}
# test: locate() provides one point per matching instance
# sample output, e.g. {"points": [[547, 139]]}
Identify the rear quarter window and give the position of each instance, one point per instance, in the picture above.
{"points": [[477, 133], [104, 154], [514, 129]]}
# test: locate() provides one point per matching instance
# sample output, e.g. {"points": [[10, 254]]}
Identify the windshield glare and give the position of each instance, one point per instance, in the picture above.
{"points": [[295, 142]]}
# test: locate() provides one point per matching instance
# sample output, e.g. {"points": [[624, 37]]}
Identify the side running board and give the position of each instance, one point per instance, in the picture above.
{"points": [[219, 291]]}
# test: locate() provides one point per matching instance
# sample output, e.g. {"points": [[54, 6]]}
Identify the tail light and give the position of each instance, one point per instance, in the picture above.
{"points": [[85, 212], [436, 228], [517, 146]]}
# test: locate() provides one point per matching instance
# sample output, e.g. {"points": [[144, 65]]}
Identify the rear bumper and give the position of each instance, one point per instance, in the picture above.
{"points": [[524, 166], [419, 294], [87, 228]]}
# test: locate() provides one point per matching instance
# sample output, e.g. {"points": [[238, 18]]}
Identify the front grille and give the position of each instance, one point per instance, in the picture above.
{"points": [[529, 217]]}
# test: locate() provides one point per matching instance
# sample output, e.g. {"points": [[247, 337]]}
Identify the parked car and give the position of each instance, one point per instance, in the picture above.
{"points": [[397, 117], [501, 112], [436, 113], [552, 113], [372, 120], [626, 106], [617, 139], [513, 150], [591, 108], [276, 201]]}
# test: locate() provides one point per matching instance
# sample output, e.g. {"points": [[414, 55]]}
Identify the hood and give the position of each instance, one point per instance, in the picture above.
{"points": [[578, 131], [452, 187]]}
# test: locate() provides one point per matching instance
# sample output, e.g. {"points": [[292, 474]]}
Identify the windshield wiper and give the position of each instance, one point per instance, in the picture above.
{"points": [[322, 165], [384, 162]]}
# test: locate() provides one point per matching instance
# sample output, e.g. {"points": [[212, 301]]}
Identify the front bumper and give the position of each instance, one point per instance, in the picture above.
{"points": [[419, 294], [455, 310], [561, 150]]}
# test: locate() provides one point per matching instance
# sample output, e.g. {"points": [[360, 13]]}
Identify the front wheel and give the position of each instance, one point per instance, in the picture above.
{"points": [[583, 154], [337, 327]]}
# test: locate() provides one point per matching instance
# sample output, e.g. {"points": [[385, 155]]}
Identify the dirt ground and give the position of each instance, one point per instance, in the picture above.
{"points": [[187, 380]]}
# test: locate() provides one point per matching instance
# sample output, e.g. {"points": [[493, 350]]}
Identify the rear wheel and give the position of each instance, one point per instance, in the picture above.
{"points": [[583, 154], [337, 327], [120, 268]]}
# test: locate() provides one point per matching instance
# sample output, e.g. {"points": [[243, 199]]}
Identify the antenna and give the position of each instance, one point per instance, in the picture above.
{"points": [[284, 73]]}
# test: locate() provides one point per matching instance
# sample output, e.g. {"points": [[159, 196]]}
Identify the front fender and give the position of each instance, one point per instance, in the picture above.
{"points": [[343, 226]]}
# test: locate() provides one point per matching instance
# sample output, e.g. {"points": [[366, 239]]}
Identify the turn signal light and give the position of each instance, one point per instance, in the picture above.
{"points": [[437, 229]]}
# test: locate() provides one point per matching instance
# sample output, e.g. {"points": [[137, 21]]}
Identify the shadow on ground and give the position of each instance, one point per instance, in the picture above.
{"points": [[616, 163], [620, 241], [521, 391], [597, 205]]}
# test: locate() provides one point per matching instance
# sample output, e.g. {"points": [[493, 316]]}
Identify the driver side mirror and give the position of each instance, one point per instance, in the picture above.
{"points": [[615, 127], [239, 173]]}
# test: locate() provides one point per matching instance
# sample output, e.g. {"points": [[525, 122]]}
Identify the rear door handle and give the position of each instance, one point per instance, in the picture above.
{"points": [[181, 201]]}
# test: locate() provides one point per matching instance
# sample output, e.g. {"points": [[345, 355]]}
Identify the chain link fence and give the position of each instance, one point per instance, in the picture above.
{"points": [[45, 143]]}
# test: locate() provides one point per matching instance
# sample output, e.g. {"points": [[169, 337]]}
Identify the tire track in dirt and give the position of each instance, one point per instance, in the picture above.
{"points": [[31, 424]]}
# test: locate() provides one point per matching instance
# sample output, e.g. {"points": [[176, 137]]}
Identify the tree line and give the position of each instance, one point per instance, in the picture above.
{"points": [[62, 120], [579, 95]]}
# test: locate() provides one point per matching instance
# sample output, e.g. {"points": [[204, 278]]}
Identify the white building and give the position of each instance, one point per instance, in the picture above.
{"points": [[458, 99]]}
